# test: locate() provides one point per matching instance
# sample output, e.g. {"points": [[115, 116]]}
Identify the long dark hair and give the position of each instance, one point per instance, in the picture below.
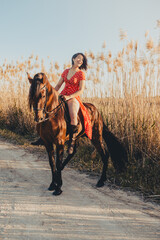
{"points": [[84, 64]]}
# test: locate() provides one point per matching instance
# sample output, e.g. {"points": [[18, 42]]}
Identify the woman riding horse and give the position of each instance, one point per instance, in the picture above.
{"points": [[74, 79]]}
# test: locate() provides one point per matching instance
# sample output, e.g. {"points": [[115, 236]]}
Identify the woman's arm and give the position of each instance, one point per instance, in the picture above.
{"points": [[79, 92], [59, 84]]}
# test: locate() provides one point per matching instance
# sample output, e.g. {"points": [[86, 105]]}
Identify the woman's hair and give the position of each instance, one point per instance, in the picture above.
{"points": [[84, 64]]}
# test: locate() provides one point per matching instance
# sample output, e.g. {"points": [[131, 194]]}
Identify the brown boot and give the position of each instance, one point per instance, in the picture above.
{"points": [[72, 138]]}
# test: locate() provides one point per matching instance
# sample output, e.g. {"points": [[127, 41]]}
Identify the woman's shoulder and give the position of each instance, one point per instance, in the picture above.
{"points": [[65, 72], [81, 75]]}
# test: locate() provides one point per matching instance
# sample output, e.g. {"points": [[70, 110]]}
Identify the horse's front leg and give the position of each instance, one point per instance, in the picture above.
{"points": [[66, 161], [50, 151], [59, 159]]}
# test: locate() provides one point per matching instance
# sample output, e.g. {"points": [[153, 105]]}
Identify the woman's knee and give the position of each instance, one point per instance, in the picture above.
{"points": [[73, 105]]}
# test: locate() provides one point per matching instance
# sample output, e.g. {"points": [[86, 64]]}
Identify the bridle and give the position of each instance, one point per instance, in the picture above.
{"points": [[51, 113]]}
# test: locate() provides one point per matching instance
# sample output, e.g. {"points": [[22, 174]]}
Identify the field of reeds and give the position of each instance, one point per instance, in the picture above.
{"points": [[126, 90]]}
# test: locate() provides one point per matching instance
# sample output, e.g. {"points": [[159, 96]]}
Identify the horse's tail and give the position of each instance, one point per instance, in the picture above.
{"points": [[116, 149]]}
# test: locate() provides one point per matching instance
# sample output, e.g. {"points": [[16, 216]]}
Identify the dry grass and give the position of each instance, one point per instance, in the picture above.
{"points": [[125, 88]]}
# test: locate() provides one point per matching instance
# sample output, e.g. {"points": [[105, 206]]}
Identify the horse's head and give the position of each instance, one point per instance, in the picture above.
{"points": [[38, 95]]}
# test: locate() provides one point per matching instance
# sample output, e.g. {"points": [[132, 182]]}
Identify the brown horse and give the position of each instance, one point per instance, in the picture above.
{"points": [[52, 127]]}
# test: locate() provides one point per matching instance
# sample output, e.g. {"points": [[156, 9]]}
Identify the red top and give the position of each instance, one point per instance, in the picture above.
{"points": [[72, 85]]}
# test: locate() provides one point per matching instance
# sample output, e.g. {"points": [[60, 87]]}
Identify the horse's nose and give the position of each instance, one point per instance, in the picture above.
{"points": [[38, 117]]}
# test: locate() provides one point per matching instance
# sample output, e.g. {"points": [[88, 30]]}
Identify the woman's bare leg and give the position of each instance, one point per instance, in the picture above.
{"points": [[73, 106]]}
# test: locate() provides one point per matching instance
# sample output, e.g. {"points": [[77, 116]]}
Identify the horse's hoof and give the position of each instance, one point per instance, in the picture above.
{"points": [[100, 184], [57, 192], [52, 187], [62, 168]]}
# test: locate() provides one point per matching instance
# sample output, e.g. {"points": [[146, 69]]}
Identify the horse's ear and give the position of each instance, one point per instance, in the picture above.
{"points": [[29, 78], [44, 78]]}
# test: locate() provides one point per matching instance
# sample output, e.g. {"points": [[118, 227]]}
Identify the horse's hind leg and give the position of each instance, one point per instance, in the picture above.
{"points": [[97, 142]]}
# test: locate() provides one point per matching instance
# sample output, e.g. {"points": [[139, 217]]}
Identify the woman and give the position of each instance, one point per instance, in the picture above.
{"points": [[74, 79]]}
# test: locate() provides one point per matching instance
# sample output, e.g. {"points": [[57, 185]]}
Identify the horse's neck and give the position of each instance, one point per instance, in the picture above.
{"points": [[52, 98]]}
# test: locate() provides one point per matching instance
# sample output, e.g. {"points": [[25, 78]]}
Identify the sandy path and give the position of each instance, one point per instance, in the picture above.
{"points": [[29, 211]]}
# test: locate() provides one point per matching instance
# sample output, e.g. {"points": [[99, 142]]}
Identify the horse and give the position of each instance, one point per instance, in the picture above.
{"points": [[53, 128]]}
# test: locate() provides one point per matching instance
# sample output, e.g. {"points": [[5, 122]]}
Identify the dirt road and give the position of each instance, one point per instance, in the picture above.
{"points": [[29, 211]]}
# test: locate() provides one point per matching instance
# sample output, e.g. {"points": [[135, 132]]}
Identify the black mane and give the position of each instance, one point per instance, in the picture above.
{"points": [[35, 87]]}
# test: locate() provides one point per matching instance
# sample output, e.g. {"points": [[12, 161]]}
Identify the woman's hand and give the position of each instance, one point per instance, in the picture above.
{"points": [[67, 97]]}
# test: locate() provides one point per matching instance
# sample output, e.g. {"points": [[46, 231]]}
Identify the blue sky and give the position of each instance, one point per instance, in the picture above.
{"points": [[60, 28]]}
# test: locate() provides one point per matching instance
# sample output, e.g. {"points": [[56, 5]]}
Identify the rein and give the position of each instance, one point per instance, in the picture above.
{"points": [[55, 111]]}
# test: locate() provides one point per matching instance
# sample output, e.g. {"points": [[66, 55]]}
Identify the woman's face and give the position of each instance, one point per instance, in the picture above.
{"points": [[78, 61]]}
